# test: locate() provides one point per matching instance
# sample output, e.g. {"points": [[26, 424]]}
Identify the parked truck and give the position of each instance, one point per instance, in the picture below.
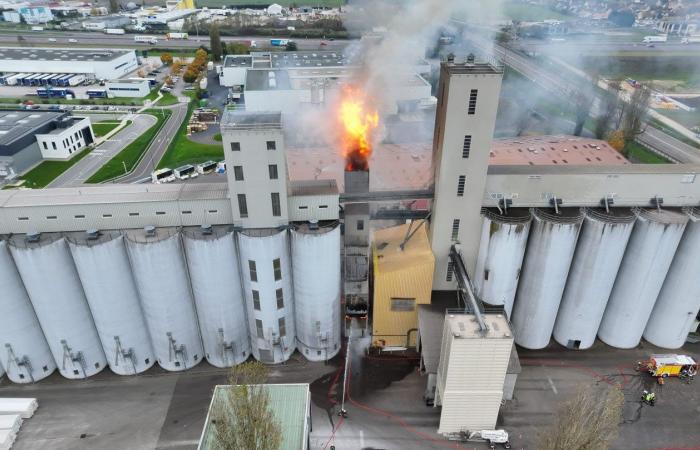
{"points": [[37, 28], [279, 42], [146, 39], [177, 36], [203, 84], [114, 31], [651, 39], [690, 40], [76, 80]]}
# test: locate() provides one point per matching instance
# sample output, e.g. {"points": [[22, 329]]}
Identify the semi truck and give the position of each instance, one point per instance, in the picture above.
{"points": [[114, 31], [37, 28], [146, 39], [651, 39], [690, 40], [186, 171], [164, 175], [279, 42], [177, 36]]}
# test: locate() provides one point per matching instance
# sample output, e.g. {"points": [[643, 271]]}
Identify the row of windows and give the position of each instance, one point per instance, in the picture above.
{"points": [[461, 181], [280, 323], [236, 146], [319, 207], [123, 89], [279, 294], [471, 108], [276, 267], [274, 198], [238, 172], [109, 216]]}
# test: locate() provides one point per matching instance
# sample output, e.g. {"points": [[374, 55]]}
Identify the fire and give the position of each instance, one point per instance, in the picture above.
{"points": [[358, 121]]}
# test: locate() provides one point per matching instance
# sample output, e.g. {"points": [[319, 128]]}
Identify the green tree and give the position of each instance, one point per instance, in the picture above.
{"points": [[166, 58], [242, 418], [215, 43]]}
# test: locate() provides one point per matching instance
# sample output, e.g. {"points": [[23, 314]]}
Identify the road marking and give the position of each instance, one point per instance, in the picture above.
{"points": [[551, 383]]}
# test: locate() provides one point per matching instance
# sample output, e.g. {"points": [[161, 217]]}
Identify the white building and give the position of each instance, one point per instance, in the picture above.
{"points": [[128, 88], [274, 10], [11, 16], [107, 64], [70, 136], [36, 15]]}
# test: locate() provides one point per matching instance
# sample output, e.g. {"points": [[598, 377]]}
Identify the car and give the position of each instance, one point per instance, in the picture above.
{"points": [[190, 88], [52, 39], [72, 40], [53, 107], [95, 108]]}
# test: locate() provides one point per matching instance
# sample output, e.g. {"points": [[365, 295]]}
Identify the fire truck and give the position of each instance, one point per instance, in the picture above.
{"points": [[669, 365]]}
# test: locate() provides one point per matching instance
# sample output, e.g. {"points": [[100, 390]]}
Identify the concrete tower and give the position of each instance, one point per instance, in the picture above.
{"points": [[466, 116]]}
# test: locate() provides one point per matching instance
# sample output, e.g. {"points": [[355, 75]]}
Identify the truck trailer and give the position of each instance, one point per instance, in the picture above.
{"points": [[177, 36], [114, 31], [650, 39], [146, 39], [279, 42]]}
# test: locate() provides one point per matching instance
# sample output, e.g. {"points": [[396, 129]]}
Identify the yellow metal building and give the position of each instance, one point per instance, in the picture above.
{"points": [[403, 279]]}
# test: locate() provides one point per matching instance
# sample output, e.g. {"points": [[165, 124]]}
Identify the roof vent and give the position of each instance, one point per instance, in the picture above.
{"points": [[470, 58], [313, 224], [206, 229], [150, 230], [33, 236], [92, 234]]}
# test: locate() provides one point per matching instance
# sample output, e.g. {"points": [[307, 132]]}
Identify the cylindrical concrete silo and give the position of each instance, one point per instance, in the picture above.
{"points": [[316, 268], [105, 271], [49, 275], [679, 300], [24, 352], [644, 267], [500, 259], [597, 259], [267, 284], [216, 284], [163, 284], [550, 249]]}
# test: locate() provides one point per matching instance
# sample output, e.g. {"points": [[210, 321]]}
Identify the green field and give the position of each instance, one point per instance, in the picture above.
{"points": [[47, 171], [285, 3], [167, 99], [182, 150], [637, 153], [131, 155], [530, 13], [102, 128]]}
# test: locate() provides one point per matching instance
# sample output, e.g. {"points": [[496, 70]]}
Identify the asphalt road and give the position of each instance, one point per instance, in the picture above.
{"points": [[93, 39], [83, 169], [677, 150]]}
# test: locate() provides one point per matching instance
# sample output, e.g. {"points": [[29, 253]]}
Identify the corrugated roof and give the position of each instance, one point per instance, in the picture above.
{"points": [[390, 257]]}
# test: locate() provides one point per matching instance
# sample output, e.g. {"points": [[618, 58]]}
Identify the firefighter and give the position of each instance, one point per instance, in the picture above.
{"points": [[649, 397]]}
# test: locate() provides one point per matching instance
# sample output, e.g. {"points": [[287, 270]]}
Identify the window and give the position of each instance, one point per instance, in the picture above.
{"points": [[160, 213], [273, 171], [235, 146], [242, 205], [54, 145], [303, 207], [472, 102], [403, 304], [450, 271], [186, 212], [253, 270], [466, 146], [80, 216], [277, 268], [460, 185], [213, 211], [360, 225], [322, 206], [51, 217], [276, 210], [259, 328], [256, 300], [280, 298], [455, 229], [23, 218], [46, 147], [238, 173], [133, 214], [486, 274], [271, 145], [106, 216], [282, 326]]}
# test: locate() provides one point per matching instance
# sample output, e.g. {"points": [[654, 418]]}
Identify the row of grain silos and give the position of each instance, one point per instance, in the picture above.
{"points": [[78, 302], [575, 274]]}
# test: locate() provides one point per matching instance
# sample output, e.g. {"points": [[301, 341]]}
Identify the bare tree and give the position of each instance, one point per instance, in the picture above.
{"points": [[241, 417], [582, 108], [215, 43], [634, 121], [610, 103], [588, 421], [114, 6]]}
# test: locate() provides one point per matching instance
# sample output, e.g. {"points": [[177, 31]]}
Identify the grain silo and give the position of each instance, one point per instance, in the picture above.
{"points": [[162, 281], [216, 284], [601, 246], [649, 253], [23, 349], [48, 272], [550, 249], [105, 272], [267, 283], [500, 258], [316, 266], [679, 300]]}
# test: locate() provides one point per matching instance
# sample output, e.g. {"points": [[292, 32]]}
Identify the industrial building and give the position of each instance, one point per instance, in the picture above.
{"points": [[128, 88], [107, 64], [28, 136]]}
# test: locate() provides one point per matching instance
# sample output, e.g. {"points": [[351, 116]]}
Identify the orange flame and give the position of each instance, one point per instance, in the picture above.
{"points": [[358, 121]]}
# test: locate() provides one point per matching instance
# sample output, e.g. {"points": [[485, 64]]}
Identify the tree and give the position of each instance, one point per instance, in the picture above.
{"points": [[582, 104], [114, 6], [291, 46], [610, 102], [215, 43], [189, 76], [617, 140], [166, 58], [238, 48], [588, 421], [241, 417], [634, 121]]}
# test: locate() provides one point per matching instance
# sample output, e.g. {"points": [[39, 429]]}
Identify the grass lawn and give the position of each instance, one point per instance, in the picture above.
{"points": [[168, 99], [132, 153], [217, 137], [182, 150], [47, 171], [105, 126], [638, 153]]}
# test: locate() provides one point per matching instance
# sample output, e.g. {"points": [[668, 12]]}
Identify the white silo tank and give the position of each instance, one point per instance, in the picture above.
{"points": [[678, 303], [24, 352], [601, 246], [216, 284], [163, 284], [270, 322], [316, 269], [105, 271], [500, 259], [550, 249], [49, 275], [644, 267]]}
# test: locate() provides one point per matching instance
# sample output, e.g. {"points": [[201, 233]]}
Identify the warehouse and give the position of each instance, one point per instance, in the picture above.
{"points": [[94, 64], [128, 88]]}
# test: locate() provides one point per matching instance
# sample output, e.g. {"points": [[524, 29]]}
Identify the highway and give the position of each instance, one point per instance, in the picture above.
{"points": [[101, 40], [677, 150]]}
